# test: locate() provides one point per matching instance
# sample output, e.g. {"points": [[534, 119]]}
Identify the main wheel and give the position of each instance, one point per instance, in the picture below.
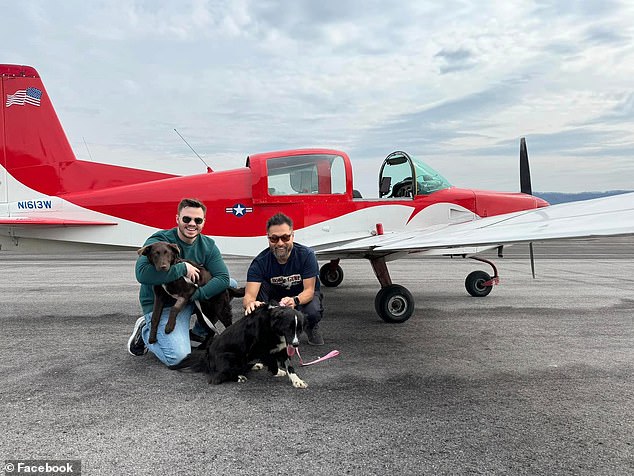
{"points": [[475, 284], [330, 276], [394, 304]]}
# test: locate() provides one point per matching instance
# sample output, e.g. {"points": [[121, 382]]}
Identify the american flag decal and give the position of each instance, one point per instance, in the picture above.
{"points": [[24, 96], [238, 210]]}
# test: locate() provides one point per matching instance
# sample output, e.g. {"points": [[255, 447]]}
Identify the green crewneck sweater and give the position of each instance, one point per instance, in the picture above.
{"points": [[203, 251]]}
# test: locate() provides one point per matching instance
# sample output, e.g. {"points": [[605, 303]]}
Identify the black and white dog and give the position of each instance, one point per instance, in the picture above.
{"points": [[268, 335]]}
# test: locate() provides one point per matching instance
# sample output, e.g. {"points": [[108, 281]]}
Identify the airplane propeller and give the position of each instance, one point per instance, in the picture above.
{"points": [[525, 171], [525, 187]]}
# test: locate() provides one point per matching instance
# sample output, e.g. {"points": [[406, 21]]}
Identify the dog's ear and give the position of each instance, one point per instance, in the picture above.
{"points": [[176, 249], [144, 251]]}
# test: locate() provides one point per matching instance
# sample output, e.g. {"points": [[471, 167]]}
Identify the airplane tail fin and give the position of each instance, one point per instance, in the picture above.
{"points": [[34, 150]]}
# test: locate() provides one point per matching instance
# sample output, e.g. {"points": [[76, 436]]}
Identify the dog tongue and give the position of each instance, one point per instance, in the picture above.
{"points": [[290, 350]]}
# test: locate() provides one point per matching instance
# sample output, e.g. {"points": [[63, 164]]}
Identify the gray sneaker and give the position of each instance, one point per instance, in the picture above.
{"points": [[136, 346], [314, 336]]}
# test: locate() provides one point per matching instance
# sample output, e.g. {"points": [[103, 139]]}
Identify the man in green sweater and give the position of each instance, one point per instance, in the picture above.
{"points": [[194, 246]]}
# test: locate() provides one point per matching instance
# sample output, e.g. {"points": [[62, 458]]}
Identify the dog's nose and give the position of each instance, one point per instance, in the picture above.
{"points": [[295, 342]]}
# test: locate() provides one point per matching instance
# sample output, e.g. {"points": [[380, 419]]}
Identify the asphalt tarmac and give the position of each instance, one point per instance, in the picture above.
{"points": [[535, 379]]}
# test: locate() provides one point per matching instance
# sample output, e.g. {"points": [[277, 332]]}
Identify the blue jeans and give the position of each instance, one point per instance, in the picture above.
{"points": [[173, 347]]}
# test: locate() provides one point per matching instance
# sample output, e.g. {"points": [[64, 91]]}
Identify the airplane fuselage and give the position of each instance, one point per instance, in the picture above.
{"points": [[240, 201]]}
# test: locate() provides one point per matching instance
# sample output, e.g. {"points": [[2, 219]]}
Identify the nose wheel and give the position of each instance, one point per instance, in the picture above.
{"points": [[476, 284], [480, 283]]}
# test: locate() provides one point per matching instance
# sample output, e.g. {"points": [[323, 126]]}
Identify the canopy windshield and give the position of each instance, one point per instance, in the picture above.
{"points": [[404, 176], [427, 179]]}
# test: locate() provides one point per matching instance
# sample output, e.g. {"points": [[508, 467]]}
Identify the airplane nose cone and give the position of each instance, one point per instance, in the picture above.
{"points": [[539, 202]]}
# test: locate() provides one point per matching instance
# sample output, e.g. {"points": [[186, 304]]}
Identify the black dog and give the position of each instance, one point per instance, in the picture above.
{"points": [[163, 256], [268, 335]]}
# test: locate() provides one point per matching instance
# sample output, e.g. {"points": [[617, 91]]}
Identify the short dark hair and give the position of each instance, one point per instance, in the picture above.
{"points": [[193, 203], [279, 219]]}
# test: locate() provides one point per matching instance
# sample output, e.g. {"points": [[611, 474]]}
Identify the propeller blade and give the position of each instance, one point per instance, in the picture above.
{"points": [[525, 171], [532, 255]]}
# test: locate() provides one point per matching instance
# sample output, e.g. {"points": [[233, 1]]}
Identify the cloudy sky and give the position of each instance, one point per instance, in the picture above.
{"points": [[456, 83]]}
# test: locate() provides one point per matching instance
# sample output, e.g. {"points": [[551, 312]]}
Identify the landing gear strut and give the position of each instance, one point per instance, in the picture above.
{"points": [[394, 303]]}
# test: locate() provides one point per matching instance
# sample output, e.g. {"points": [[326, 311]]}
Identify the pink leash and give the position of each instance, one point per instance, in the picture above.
{"points": [[329, 355], [291, 350]]}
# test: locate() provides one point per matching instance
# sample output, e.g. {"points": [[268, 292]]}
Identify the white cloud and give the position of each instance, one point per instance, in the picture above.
{"points": [[455, 82]]}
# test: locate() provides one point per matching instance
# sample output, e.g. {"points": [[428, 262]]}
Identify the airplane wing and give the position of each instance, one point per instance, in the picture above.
{"points": [[609, 216], [49, 222]]}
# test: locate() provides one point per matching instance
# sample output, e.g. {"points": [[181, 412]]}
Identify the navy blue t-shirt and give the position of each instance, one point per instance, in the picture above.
{"points": [[286, 279]]}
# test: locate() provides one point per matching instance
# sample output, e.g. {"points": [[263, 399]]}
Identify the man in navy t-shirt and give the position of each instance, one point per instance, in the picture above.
{"points": [[286, 272]]}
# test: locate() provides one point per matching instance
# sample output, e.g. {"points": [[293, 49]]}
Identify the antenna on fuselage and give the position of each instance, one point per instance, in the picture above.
{"points": [[201, 159], [89, 154]]}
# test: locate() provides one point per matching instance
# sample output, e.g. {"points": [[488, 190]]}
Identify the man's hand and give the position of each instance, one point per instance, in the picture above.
{"points": [[193, 273], [251, 307], [287, 301]]}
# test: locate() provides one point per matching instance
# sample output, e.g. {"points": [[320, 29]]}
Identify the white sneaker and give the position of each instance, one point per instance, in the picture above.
{"points": [[136, 346]]}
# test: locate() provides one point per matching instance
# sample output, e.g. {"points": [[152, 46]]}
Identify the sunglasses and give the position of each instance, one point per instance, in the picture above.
{"points": [[284, 238], [197, 220]]}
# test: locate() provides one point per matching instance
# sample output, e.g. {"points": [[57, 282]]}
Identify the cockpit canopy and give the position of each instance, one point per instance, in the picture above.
{"points": [[403, 176]]}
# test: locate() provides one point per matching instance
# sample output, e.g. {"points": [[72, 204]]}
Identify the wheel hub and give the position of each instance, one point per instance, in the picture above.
{"points": [[397, 305]]}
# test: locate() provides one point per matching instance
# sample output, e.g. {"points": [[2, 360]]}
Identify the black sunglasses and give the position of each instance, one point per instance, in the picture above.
{"points": [[197, 220], [284, 238]]}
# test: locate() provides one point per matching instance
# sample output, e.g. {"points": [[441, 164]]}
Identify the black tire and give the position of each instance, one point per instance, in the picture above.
{"points": [[394, 304], [330, 276], [475, 284]]}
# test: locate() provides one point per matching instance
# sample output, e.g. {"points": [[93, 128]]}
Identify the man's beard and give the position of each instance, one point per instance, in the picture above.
{"points": [[281, 253]]}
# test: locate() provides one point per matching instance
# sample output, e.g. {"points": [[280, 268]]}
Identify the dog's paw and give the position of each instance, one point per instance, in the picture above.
{"points": [[258, 366], [151, 340], [169, 329], [280, 373], [298, 382], [241, 379]]}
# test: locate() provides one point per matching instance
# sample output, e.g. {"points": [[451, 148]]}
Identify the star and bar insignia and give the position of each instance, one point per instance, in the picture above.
{"points": [[238, 210]]}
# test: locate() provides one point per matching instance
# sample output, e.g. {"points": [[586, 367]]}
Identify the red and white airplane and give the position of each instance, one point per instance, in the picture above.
{"points": [[47, 196]]}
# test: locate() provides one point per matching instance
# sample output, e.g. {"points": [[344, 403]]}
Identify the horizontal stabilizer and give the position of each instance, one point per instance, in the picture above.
{"points": [[51, 222]]}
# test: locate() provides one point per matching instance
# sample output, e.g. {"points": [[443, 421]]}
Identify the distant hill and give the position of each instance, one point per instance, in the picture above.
{"points": [[560, 197]]}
